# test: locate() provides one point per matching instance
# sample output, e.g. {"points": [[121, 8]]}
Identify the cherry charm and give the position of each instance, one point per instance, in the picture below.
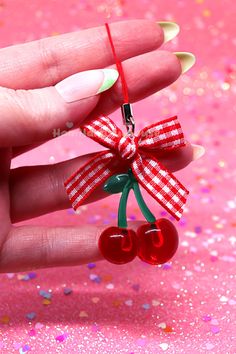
{"points": [[158, 241], [118, 245], [155, 241]]}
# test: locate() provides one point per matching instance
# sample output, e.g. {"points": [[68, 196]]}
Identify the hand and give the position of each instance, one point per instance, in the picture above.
{"points": [[36, 96]]}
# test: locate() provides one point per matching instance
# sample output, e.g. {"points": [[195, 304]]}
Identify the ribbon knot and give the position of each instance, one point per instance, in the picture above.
{"points": [[140, 155], [127, 146]]}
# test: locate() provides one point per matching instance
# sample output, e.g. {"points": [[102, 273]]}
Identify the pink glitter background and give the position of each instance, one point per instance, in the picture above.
{"points": [[188, 305]]}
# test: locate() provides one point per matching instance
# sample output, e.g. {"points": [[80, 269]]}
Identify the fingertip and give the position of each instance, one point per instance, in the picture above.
{"points": [[135, 30], [177, 159], [170, 30], [198, 151]]}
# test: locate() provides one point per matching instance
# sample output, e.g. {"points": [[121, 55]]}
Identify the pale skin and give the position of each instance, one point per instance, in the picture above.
{"points": [[30, 109]]}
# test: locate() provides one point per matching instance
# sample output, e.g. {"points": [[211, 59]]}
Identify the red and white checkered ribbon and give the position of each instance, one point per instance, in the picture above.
{"points": [[137, 153]]}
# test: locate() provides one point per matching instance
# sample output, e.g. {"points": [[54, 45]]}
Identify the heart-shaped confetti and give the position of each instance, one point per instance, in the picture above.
{"points": [[20, 276], [166, 266], [31, 315], [215, 330], [164, 346], [95, 300], [45, 294], [129, 302], [95, 328], [146, 306], [38, 325], [46, 302], [116, 303], [209, 346], [155, 303], [136, 287], [5, 319], [91, 265], [107, 277], [17, 345], [206, 318], [67, 291], [83, 314], [110, 286], [32, 332], [32, 275], [25, 348], [93, 276], [10, 275], [168, 329], [162, 325], [232, 302], [223, 299]]}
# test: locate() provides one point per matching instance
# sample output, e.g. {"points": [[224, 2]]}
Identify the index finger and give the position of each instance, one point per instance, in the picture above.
{"points": [[47, 61]]}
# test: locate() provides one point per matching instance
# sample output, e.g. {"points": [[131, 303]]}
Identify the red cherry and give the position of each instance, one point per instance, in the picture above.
{"points": [[118, 245], [158, 241]]}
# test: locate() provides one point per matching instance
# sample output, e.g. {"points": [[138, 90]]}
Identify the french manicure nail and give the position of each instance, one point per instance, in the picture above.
{"points": [[198, 151], [187, 60], [86, 84], [170, 29]]}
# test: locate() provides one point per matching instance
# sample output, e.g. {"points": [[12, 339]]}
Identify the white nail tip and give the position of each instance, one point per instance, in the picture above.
{"points": [[187, 60], [170, 29], [198, 151]]}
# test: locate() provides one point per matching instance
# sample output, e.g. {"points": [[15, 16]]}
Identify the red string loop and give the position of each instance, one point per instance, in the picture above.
{"points": [[119, 67]]}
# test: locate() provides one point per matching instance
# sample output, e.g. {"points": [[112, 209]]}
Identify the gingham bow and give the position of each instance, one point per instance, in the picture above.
{"points": [[137, 153]]}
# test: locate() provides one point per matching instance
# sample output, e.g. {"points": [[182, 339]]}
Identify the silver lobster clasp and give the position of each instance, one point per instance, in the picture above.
{"points": [[128, 118]]}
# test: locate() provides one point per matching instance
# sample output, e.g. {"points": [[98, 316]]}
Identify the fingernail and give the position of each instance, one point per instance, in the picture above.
{"points": [[198, 151], [86, 84], [187, 60], [170, 29]]}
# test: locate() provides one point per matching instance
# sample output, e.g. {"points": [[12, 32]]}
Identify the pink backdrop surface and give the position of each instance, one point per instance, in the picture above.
{"points": [[187, 305]]}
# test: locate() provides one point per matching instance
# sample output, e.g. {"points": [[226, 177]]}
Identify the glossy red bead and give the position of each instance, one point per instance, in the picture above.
{"points": [[118, 245], [158, 241]]}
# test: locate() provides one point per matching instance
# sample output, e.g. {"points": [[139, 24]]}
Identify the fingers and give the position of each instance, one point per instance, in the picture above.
{"points": [[30, 247], [145, 75], [41, 247], [32, 115], [43, 186], [5, 163], [49, 60]]}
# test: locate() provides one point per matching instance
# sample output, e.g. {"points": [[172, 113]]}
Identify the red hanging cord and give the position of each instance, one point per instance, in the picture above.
{"points": [[119, 67]]}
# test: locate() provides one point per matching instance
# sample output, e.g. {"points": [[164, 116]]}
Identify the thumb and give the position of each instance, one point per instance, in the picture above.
{"points": [[31, 247], [28, 116]]}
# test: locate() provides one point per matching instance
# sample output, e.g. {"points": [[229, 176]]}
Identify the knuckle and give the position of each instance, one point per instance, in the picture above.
{"points": [[21, 105], [13, 103], [116, 95], [47, 246], [49, 61], [55, 181]]}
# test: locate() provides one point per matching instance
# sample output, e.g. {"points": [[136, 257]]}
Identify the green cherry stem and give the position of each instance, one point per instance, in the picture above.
{"points": [[122, 218], [142, 205], [138, 195]]}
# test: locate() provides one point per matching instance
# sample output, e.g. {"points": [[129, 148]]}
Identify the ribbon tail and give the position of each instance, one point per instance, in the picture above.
{"points": [[103, 130], [84, 181], [166, 134], [161, 184]]}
